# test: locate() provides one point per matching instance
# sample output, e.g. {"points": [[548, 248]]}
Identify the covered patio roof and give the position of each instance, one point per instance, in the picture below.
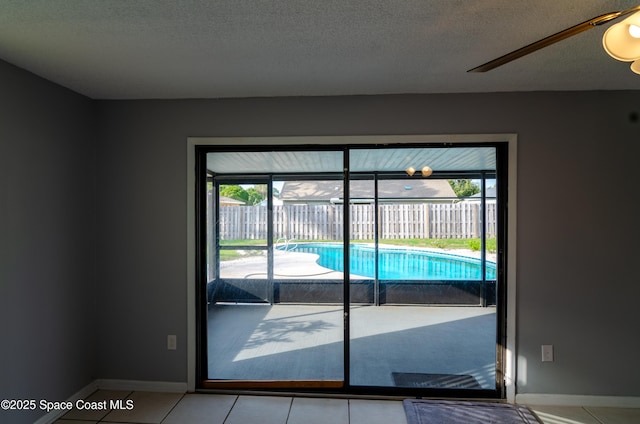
{"points": [[310, 159]]}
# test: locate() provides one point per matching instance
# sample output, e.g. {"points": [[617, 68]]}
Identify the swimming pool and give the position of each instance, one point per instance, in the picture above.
{"points": [[399, 263]]}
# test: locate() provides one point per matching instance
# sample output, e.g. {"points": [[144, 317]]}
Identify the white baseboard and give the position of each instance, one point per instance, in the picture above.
{"points": [[578, 400], [142, 386], [52, 416]]}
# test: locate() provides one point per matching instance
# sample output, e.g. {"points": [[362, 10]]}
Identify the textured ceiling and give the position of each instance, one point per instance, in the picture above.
{"points": [[124, 49]]}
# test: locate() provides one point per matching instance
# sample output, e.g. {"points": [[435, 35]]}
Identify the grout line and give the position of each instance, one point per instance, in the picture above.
{"points": [[102, 420], [172, 408], [289, 411], [231, 409], [593, 415]]}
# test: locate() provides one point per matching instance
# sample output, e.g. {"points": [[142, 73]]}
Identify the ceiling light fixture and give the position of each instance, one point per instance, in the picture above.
{"points": [[426, 171], [622, 41], [634, 31], [629, 28]]}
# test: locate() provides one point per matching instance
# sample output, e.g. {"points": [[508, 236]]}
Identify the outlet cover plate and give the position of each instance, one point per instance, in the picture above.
{"points": [[172, 342], [547, 353]]}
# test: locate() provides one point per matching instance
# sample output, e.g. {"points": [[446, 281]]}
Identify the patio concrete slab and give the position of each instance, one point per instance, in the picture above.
{"points": [[304, 342]]}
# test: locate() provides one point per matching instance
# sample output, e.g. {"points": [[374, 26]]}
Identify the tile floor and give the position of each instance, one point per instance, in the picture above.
{"points": [[179, 408]]}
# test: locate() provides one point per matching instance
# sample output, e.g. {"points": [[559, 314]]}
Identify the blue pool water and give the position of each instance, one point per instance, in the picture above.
{"points": [[400, 263]]}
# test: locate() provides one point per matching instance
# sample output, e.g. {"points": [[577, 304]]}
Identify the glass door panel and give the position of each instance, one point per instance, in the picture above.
{"points": [[430, 326], [276, 299]]}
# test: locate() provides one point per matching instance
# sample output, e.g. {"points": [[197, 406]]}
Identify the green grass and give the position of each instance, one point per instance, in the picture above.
{"points": [[473, 244], [439, 243], [228, 255], [243, 242]]}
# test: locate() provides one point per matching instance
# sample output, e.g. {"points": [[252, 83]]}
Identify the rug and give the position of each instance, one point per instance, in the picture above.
{"points": [[459, 412], [435, 381]]}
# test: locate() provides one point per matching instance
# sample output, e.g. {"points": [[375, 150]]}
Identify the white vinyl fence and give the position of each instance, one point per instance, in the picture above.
{"points": [[324, 222]]}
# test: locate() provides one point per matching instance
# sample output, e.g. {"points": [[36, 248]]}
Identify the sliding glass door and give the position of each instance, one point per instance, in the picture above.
{"points": [[352, 268]]}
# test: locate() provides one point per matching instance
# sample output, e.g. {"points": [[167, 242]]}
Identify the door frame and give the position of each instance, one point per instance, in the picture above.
{"points": [[509, 302]]}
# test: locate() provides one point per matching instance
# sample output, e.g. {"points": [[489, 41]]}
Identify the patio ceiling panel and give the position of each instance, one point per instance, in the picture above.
{"points": [[438, 159], [394, 159], [275, 162]]}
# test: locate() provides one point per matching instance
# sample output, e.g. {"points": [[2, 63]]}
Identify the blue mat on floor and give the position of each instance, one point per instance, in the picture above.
{"points": [[460, 412]]}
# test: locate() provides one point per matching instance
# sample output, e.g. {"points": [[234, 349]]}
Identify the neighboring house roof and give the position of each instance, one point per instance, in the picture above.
{"points": [[228, 201], [490, 196], [318, 191], [491, 192], [276, 202]]}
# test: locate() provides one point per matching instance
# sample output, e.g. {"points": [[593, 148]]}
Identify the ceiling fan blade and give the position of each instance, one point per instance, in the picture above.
{"points": [[552, 39]]}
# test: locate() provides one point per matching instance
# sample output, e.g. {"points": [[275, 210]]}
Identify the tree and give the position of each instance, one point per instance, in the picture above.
{"points": [[253, 196], [234, 192], [250, 196], [464, 187]]}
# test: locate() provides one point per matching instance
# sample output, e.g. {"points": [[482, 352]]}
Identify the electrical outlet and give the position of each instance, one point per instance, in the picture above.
{"points": [[172, 342], [547, 353]]}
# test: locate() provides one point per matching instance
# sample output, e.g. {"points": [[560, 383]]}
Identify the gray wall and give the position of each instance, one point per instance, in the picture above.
{"points": [[47, 243], [577, 231]]}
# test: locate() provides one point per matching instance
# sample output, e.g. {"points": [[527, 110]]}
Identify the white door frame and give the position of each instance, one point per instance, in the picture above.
{"points": [[511, 139]]}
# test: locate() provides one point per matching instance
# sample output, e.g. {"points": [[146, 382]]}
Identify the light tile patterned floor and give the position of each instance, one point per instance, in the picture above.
{"points": [[586, 415], [173, 408]]}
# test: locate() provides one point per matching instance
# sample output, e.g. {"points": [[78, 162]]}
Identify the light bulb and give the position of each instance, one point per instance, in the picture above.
{"points": [[634, 31]]}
